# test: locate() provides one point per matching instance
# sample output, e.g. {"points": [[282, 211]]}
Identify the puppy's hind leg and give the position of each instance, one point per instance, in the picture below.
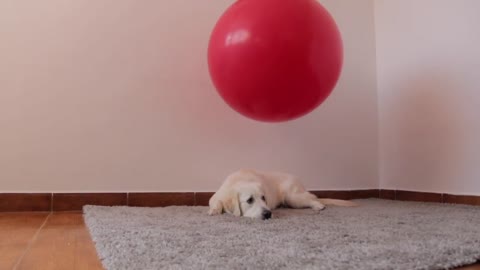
{"points": [[304, 200]]}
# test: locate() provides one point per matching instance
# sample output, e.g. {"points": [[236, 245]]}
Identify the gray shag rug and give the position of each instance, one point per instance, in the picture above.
{"points": [[377, 235]]}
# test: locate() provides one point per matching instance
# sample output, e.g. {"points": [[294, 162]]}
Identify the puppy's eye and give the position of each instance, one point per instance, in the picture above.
{"points": [[263, 198], [250, 200]]}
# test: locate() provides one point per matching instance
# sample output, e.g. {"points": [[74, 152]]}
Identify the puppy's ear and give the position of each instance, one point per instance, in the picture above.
{"points": [[231, 204]]}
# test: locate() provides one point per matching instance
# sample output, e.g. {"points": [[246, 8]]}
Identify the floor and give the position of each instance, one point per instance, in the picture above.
{"points": [[46, 241], [50, 241]]}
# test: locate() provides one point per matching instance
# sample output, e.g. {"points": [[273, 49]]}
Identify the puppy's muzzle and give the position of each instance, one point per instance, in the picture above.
{"points": [[266, 214]]}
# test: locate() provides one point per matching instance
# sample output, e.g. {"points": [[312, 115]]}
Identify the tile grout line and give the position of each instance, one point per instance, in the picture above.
{"points": [[31, 242]]}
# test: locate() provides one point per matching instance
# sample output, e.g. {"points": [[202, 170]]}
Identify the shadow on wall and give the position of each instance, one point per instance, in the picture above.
{"points": [[427, 133]]}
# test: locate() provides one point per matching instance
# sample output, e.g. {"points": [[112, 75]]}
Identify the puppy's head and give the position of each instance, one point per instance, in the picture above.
{"points": [[248, 200]]}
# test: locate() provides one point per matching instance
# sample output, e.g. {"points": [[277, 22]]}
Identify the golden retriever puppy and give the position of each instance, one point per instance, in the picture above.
{"points": [[255, 194]]}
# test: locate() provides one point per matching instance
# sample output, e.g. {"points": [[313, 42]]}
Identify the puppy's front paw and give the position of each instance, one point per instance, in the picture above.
{"points": [[214, 211]]}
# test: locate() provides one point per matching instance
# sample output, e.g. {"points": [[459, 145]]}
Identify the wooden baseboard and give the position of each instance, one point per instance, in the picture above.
{"points": [[402, 195], [56, 202], [20, 202], [347, 194]]}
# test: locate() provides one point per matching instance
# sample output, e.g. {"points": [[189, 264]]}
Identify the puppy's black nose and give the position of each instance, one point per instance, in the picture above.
{"points": [[266, 214]]}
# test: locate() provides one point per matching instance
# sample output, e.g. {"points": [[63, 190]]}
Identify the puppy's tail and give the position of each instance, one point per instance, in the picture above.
{"points": [[338, 202]]}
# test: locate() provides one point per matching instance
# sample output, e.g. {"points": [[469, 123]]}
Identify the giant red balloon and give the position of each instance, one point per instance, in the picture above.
{"points": [[275, 60]]}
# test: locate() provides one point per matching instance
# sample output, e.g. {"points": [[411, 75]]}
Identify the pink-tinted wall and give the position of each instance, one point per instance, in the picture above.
{"points": [[114, 95], [428, 60]]}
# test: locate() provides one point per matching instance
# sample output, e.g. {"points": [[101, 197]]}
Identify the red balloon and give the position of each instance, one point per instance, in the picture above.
{"points": [[275, 60]]}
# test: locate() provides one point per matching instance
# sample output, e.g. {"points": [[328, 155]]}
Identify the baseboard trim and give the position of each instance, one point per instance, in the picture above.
{"points": [[59, 202]]}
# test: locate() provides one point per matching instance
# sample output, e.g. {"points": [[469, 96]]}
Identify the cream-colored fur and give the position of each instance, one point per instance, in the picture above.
{"points": [[255, 194]]}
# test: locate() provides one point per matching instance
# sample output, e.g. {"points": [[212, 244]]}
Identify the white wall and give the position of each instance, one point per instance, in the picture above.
{"points": [[114, 95], [428, 63]]}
